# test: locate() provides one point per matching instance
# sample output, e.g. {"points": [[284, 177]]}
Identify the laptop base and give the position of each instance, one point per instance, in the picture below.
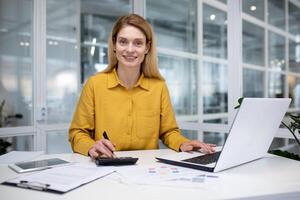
{"points": [[172, 162]]}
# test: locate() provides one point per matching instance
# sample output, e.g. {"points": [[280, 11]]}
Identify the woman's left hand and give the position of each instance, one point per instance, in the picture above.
{"points": [[197, 145]]}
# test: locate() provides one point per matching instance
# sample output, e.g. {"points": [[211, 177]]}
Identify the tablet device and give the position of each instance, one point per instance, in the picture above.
{"points": [[29, 166]]}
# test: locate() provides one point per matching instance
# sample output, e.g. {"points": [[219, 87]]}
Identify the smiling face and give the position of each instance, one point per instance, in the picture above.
{"points": [[131, 47]]}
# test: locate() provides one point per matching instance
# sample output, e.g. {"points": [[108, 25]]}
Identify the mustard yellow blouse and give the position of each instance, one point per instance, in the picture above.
{"points": [[133, 119]]}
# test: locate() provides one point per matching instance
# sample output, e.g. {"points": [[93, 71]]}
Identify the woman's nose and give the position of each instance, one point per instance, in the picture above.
{"points": [[130, 47]]}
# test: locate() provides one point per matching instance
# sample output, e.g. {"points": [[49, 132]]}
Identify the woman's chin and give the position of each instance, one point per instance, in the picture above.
{"points": [[131, 65]]}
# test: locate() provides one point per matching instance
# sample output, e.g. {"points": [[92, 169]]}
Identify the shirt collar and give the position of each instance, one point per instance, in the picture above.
{"points": [[113, 80]]}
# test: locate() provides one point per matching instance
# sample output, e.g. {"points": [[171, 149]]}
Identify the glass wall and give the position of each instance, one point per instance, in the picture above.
{"points": [[183, 88], [276, 55], [294, 54], [16, 106], [62, 59], [18, 143], [276, 13], [293, 18], [257, 80], [175, 27], [16, 71], [253, 44], [255, 8], [96, 21], [214, 87], [276, 51], [214, 32], [174, 23], [214, 83], [271, 59]]}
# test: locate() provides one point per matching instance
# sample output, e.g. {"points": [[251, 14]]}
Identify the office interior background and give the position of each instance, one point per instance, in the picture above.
{"points": [[211, 52]]}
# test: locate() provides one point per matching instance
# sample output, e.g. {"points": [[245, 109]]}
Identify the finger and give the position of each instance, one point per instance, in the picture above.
{"points": [[204, 147], [109, 145], [196, 144], [186, 148], [93, 153], [105, 151], [207, 149], [212, 145]]}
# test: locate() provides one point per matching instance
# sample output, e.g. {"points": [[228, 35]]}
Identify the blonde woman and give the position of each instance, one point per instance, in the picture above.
{"points": [[129, 100]]}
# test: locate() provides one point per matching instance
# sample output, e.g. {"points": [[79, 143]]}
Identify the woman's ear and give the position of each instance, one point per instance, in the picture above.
{"points": [[114, 48], [148, 46]]}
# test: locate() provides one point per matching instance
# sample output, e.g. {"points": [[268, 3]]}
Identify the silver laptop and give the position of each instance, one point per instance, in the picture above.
{"points": [[250, 137]]}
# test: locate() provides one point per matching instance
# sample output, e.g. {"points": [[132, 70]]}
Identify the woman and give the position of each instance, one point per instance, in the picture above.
{"points": [[129, 100]]}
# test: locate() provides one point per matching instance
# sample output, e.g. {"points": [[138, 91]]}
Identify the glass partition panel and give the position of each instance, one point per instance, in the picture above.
{"points": [[254, 8], [216, 138], [253, 44], [223, 1], [97, 19], [276, 85], [294, 91], [174, 23], [62, 59], [18, 143], [190, 134], [214, 32], [276, 51], [294, 19], [294, 56], [276, 13], [253, 83], [182, 81], [57, 142], [208, 137], [16, 106], [215, 93]]}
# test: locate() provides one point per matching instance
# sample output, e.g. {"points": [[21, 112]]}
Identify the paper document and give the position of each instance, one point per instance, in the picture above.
{"points": [[19, 156], [61, 179], [165, 175]]}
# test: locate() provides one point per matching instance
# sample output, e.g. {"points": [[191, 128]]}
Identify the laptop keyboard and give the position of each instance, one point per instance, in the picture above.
{"points": [[204, 159]]}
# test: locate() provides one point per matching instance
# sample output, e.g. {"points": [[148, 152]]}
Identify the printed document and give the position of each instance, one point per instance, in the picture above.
{"points": [[165, 175]]}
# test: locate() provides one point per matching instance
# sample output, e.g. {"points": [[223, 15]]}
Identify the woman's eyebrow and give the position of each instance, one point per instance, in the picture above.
{"points": [[120, 37]]}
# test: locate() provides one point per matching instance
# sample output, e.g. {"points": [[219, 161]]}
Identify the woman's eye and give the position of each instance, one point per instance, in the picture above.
{"points": [[122, 42], [139, 43]]}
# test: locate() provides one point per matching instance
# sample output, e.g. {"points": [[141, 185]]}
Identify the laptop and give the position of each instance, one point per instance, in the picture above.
{"points": [[250, 137]]}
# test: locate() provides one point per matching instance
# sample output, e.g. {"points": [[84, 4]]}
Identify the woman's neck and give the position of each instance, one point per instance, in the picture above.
{"points": [[128, 76]]}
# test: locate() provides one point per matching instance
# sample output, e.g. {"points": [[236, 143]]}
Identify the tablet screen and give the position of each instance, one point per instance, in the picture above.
{"points": [[41, 163]]}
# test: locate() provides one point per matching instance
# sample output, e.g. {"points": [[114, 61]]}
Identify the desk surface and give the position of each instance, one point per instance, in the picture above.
{"points": [[271, 177]]}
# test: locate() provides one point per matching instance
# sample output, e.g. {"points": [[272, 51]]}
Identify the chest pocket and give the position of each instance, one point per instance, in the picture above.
{"points": [[148, 123]]}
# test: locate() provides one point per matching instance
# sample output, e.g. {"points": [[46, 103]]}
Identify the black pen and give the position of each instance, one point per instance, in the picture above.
{"points": [[106, 137]]}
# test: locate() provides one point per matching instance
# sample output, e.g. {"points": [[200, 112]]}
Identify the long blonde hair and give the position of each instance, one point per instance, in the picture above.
{"points": [[149, 66]]}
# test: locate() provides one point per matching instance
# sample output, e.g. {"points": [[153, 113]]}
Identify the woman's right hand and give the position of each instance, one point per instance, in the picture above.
{"points": [[102, 147]]}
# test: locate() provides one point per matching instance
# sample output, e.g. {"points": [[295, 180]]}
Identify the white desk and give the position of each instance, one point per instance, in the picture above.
{"points": [[268, 178]]}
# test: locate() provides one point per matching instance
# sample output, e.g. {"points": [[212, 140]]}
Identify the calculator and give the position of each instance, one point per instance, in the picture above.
{"points": [[115, 161]]}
